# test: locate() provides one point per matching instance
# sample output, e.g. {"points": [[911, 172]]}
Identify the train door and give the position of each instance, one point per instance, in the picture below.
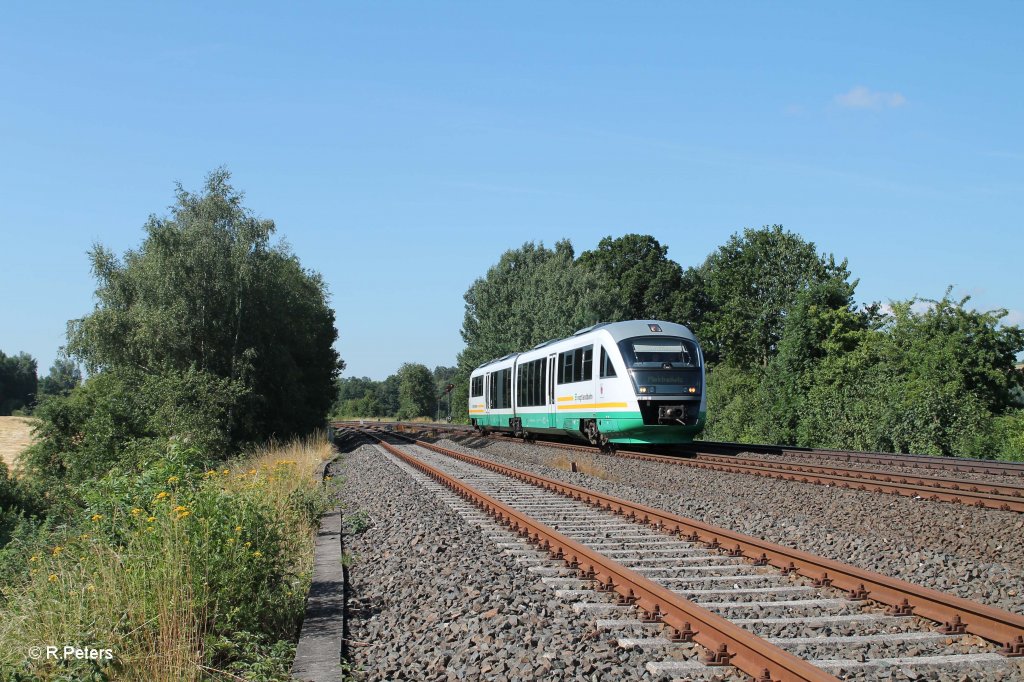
{"points": [[487, 397], [552, 408]]}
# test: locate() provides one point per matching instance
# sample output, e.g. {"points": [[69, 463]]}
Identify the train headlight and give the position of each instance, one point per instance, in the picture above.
{"points": [[643, 389], [693, 389]]}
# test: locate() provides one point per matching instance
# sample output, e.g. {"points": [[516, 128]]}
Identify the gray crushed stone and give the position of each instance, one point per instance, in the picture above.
{"points": [[433, 599], [972, 553]]}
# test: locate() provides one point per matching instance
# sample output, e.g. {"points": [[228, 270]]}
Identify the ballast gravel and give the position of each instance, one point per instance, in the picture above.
{"points": [[431, 598], [971, 553]]}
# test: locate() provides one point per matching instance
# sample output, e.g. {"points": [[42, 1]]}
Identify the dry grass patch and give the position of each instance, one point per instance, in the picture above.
{"points": [[15, 436], [584, 464]]}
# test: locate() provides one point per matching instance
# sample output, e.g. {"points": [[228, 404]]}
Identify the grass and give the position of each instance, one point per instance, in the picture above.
{"points": [[198, 576]]}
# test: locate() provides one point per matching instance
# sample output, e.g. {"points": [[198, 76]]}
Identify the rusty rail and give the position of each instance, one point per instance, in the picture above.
{"points": [[727, 643], [981, 494], [903, 598]]}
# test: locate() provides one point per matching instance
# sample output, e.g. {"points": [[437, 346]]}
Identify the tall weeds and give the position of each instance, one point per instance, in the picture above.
{"points": [[190, 575]]}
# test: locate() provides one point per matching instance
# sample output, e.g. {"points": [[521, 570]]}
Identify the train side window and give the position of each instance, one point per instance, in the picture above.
{"points": [[586, 363], [565, 367], [506, 384], [477, 387], [607, 368]]}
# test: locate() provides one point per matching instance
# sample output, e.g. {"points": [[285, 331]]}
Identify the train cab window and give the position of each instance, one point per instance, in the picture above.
{"points": [[607, 368], [659, 353], [576, 365], [476, 387]]}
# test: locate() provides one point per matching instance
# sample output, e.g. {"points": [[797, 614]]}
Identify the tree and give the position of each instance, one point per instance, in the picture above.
{"points": [[642, 283], [63, 377], [18, 382], [936, 381], [531, 295], [415, 391], [208, 292], [750, 284]]}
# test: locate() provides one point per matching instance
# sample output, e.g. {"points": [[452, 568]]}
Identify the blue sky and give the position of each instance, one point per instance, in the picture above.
{"points": [[401, 147]]}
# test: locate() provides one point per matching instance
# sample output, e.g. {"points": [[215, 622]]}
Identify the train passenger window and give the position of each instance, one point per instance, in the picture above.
{"points": [[501, 390], [530, 378], [607, 368], [476, 387], [588, 364], [565, 362], [576, 365]]}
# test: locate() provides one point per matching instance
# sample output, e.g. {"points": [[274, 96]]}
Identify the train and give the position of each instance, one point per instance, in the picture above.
{"points": [[632, 382]]}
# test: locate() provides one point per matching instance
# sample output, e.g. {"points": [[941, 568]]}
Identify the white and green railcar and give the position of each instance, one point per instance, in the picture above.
{"points": [[640, 381]]}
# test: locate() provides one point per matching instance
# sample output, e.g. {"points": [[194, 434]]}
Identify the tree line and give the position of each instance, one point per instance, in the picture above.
{"points": [[792, 358], [413, 391], [21, 388]]}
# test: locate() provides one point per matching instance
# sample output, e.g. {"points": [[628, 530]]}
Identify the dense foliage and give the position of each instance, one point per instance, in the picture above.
{"points": [[208, 293], [18, 382], [125, 523], [792, 358], [410, 393]]}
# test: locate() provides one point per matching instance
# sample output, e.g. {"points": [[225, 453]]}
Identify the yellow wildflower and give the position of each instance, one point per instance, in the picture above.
{"points": [[85, 536], [257, 554], [172, 479], [34, 558], [252, 471], [226, 472], [57, 550], [248, 544], [53, 577], [211, 472], [97, 517], [238, 529], [184, 514], [231, 541], [180, 508], [136, 511], [162, 495], [151, 519], [90, 588]]}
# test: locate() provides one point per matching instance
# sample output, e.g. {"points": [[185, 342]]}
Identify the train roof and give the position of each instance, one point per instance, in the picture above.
{"points": [[619, 331], [630, 328]]}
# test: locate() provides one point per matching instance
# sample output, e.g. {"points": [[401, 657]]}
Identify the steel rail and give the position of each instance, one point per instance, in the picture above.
{"points": [[932, 488], [881, 483], [935, 462], [903, 598], [931, 462], [728, 644], [940, 482]]}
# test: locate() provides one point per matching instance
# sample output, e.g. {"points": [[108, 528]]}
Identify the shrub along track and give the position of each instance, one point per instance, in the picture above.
{"points": [[864, 590]]}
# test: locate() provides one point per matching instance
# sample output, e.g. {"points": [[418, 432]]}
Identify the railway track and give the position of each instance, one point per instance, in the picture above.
{"points": [[1003, 496], [747, 601]]}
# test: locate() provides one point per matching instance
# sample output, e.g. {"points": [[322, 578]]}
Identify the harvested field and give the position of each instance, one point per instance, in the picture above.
{"points": [[15, 436]]}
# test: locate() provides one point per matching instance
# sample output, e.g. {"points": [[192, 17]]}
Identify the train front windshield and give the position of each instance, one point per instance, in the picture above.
{"points": [[663, 366], [659, 353]]}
